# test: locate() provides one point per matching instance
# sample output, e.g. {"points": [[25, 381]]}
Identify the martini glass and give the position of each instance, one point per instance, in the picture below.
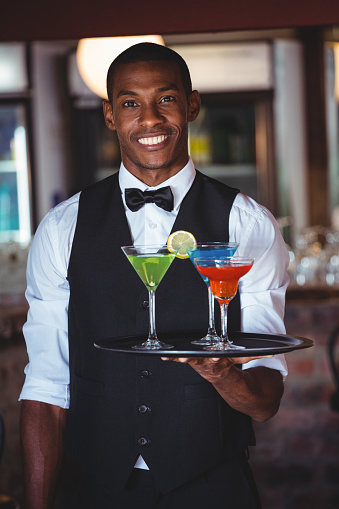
{"points": [[219, 250], [224, 277], [151, 264]]}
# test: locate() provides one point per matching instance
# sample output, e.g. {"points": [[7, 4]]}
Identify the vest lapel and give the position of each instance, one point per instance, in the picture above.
{"points": [[204, 213]]}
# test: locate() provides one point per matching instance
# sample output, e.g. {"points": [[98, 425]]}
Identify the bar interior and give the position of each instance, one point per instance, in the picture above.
{"points": [[268, 74]]}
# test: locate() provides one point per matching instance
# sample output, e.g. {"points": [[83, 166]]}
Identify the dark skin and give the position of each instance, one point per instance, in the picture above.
{"points": [[255, 391], [150, 111], [42, 429]]}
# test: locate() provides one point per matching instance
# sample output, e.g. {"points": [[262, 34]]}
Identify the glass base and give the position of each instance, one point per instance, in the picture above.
{"points": [[224, 345], [209, 339], [152, 345]]}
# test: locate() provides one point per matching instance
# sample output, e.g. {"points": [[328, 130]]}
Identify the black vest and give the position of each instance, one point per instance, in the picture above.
{"points": [[187, 428]]}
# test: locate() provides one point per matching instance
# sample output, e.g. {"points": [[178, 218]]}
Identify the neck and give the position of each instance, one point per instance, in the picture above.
{"points": [[154, 177]]}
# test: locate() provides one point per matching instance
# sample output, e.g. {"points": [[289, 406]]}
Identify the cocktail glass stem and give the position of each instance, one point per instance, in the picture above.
{"points": [[223, 341], [211, 337], [211, 320], [152, 342], [152, 334], [223, 311]]}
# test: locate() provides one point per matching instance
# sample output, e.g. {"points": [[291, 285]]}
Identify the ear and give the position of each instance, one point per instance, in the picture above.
{"points": [[194, 103], [108, 114]]}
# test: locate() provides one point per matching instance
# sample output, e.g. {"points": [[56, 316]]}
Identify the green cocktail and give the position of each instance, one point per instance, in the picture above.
{"points": [[151, 263], [151, 269]]}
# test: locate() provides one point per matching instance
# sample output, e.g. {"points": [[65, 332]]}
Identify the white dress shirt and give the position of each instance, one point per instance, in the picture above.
{"points": [[262, 290]]}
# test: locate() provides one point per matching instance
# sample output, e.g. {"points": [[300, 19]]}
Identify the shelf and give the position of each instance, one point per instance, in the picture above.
{"points": [[311, 294], [228, 170]]}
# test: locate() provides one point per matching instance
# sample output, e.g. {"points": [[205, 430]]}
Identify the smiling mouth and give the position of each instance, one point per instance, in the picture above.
{"points": [[154, 140]]}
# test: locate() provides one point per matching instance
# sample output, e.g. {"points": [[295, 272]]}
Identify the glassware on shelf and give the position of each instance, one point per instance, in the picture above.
{"points": [[314, 261]]}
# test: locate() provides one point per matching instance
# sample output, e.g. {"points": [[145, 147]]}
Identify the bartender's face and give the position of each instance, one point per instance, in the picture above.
{"points": [[150, 112]]}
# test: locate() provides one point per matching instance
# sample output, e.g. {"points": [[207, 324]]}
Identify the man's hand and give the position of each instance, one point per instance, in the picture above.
{"points": [[255, 391], [213, 368]]}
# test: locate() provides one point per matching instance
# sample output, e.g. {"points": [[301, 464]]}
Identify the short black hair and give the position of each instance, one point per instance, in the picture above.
{"points": [[148, 52]]}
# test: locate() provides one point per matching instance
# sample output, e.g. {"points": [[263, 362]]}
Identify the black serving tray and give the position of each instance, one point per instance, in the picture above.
{"points": [[255, 345]]}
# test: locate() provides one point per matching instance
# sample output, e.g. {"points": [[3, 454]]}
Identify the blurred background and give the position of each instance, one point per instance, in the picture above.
{"points": [[268, 74]]}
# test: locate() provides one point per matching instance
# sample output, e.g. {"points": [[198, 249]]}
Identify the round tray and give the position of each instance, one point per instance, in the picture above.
{"points": [[255, 344]]}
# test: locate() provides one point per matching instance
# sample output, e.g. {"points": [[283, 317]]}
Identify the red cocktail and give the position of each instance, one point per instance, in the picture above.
{"points": [[224, 277]]}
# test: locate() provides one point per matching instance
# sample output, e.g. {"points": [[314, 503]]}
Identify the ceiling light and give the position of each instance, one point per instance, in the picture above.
{"points": [[94, 57]]}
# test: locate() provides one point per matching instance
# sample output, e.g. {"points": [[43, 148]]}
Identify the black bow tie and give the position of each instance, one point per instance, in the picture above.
{"points": [[135, 199]]}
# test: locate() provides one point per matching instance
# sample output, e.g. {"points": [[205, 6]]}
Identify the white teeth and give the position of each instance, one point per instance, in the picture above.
{"points": [[154, 140]]}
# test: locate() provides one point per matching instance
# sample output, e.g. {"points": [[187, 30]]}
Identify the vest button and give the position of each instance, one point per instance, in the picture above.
{"points": [[143, 409], [143, 441], [145, 304], [145, 374]]}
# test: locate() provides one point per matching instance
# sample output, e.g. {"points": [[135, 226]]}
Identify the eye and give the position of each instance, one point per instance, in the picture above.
{"points": [[129, 104], [167, 99]]}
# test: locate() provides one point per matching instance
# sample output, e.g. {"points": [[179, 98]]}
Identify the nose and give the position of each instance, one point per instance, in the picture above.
{"points": [[150, 115]]}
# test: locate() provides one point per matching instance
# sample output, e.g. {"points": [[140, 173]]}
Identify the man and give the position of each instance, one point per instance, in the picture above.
{"points": [[146, 431]]}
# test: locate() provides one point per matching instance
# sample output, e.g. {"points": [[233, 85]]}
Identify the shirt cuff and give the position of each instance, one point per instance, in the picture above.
{"points": [[46, 392], [277, 362]]}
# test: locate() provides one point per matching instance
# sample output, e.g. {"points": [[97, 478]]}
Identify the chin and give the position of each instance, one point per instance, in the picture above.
{"points": [[156, 165]]}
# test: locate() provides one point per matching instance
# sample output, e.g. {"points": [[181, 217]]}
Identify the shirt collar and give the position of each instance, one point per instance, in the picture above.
{"points": [[180, 183]]}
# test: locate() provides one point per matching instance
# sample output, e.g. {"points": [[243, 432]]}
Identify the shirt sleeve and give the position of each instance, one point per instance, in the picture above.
{"points": [[263, 288], [47, 293]]}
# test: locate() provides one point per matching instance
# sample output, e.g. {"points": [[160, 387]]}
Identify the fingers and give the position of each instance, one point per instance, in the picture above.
{"points": [[176, 359], [207, 360], [196, 361]]}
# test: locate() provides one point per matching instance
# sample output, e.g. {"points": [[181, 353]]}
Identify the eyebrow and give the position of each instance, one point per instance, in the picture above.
{"points": [[171, 86], [126, 92]]}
